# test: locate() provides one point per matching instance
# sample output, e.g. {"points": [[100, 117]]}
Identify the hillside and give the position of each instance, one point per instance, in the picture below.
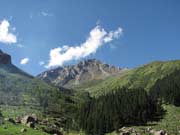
{"points": [[91, 70], [170, 123], [141, 77], [22, 94], [15, 83], [143, 96], [106, 98]]}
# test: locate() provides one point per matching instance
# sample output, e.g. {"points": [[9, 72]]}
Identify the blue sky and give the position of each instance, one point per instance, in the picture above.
{"points": [[151, 30]]}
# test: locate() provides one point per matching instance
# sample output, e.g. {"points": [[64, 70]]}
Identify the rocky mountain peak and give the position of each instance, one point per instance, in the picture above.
{"points": [[4, 58], [84, 71]]}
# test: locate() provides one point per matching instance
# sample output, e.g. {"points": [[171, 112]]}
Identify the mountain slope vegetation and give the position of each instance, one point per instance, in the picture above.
{"points": [[21, 90], [107, 100], [141, 77], [160, 81]]}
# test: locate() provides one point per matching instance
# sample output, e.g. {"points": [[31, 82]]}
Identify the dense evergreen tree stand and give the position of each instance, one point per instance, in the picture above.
{"points": [[121, 107], [168, 89]]}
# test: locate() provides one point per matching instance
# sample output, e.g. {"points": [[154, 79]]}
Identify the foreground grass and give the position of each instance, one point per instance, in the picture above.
{"points": [[15, 129], [15, 111]]}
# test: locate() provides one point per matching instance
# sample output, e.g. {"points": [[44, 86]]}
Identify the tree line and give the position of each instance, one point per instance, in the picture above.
{"points": [[116, 109], [168, 89]]}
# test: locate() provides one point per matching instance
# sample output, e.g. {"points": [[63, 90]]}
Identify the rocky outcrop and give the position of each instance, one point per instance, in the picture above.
{"points": [[4, 58], [141, 131], [29, 120], [84, 71], [161, 132]]}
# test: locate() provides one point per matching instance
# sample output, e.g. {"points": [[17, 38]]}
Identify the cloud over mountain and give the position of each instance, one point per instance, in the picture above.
{"points": [[97, 38], [24, 61], [5, 36]]}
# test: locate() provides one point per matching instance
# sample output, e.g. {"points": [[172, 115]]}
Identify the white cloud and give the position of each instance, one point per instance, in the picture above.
{"points": [[97, 37], [41, 63], [24, 61], [5, 36]]}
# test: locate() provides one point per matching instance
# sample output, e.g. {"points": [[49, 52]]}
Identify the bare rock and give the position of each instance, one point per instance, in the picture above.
{"points": [[161, 132], [31, 124], [23, 130], [18, 120], [84, 71], [27, 119], [35, 117]]}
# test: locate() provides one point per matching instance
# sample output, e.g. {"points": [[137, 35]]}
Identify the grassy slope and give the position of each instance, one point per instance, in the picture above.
{"points": [[15, 129], [15, 82], [144, 76], [170, 123], [13, 78], [12, 129]]}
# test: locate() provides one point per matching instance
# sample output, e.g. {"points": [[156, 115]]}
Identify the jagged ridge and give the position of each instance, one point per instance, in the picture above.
{"points": [[84, 71]]}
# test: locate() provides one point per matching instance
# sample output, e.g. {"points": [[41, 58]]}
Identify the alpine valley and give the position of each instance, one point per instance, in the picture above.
{"points": [[90, 98]]}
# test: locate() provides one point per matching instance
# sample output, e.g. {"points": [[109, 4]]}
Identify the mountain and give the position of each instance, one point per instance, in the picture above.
{"points": [[16, 86], [148, 95], [111, 97], [144, 76], [22, 94], [75, 75], [4, 58]]}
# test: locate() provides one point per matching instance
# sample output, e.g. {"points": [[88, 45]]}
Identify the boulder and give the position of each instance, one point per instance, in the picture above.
{"points": [[126, 131], [152, 131], [31, 124], [23, 130], [35, 117], [27, 119], [161, 132], [148, 129], [18, 120]]}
